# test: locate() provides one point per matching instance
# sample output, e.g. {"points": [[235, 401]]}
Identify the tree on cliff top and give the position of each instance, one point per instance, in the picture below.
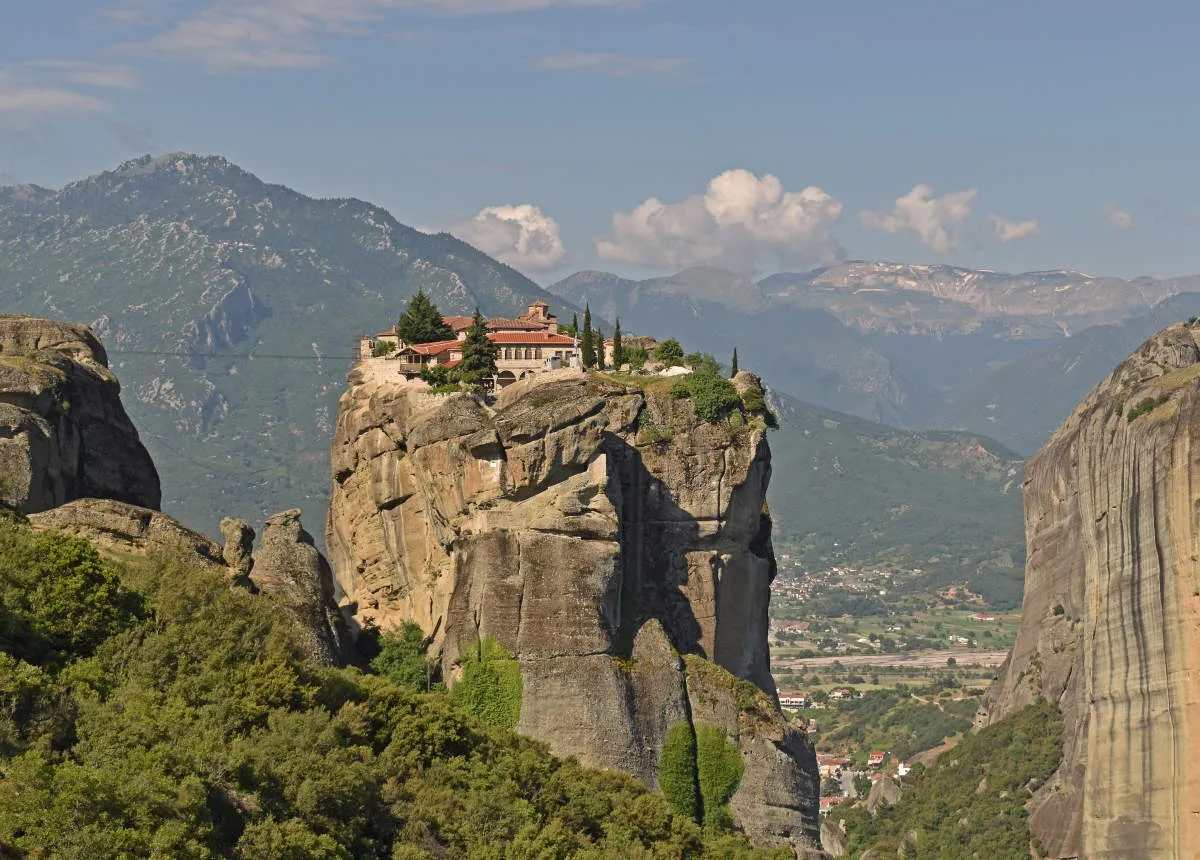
{"points": [[422, 322], [479, 352]]}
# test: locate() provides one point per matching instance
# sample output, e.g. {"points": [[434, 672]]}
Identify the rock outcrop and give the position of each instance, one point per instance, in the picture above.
{"points": [[287, 566], [1110, 626], [124, 528], [597, 532], [64, 434]]}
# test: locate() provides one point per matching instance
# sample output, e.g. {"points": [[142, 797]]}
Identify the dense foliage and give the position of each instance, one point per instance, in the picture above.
{"points": [[971, 801], [148, 710], [401, 658], [897, 722], [719, 769], [422, 322], [479, 353], [669, 352], [712, 395], [587, 347], [677, 771], [490, 687]]}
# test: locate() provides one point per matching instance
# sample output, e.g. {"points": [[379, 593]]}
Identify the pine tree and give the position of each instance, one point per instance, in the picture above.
{"points": [[598, 347], [733, 368], [589, 354], [479, 353], [574, 325], [618, 358], [422, 322]]}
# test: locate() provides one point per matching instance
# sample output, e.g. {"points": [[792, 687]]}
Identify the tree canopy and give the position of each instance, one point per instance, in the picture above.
{"points": [[422, 322], [479, 353]]}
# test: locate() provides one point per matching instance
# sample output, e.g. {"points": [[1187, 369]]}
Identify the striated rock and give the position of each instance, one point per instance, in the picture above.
{"points": [[287, 566], [833, 837], [597, 532], [1110, 625], [885, 792], [238, 549], [124, 528], [63, 432]]}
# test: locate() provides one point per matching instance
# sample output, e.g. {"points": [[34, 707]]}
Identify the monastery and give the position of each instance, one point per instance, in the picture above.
{"points": [[528, 344]]}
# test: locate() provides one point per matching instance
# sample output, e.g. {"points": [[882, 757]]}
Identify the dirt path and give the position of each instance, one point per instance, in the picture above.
{"points": [[916, 659]]}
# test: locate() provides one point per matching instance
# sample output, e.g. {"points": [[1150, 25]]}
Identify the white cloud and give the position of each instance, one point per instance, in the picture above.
{"points": [[23, 100], [932, 219], [521, 236], [741, 222], [1011, 231], [1117, 216], [239, 35], [101, 75], [614, 65]]}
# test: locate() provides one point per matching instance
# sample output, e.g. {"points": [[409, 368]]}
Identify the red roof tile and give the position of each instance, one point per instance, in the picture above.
{"points": [[433, 348], [532, 338], [458, 323]]}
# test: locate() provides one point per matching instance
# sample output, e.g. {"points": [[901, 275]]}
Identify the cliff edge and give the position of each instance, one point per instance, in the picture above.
{"points": [[614, 544], [1110, 625]]}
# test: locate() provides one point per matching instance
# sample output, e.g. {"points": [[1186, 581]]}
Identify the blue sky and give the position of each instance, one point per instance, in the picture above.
{"points": [[774, 135]]}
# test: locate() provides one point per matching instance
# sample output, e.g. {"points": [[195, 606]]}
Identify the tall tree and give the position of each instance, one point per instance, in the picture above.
{"points": [[422, 322], [575, 325], [618, 357], [479, 353], [598, 348], [733, 368], [586, 345]]}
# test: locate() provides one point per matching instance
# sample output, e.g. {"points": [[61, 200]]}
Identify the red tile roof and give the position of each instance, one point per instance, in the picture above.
{"points": [[531, 338], [503, 323], [433, 348], [458, 323]]}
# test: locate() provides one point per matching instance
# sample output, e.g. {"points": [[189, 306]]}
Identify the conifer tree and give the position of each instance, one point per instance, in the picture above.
{"points": [[733, 366], [422, 322], [598, 347], [618, 360], [589, 354], [575, 325], [479, 353]]}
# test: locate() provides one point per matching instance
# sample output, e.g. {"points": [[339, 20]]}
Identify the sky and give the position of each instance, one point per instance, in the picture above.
{"points": [[645, 136]]}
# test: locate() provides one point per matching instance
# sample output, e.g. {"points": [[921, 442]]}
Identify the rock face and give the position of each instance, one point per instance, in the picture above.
{"points": [[63, 432], [1111, 620], [289, 567], [128, 529], [597, 532]]}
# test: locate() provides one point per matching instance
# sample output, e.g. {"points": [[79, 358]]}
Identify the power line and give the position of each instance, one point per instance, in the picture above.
{"points": [[247, 355]]}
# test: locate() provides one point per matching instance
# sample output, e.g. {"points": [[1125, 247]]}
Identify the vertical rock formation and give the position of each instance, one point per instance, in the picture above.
{"points": [[597, 532], [1111, 620], [64, 434], [288, 567]]}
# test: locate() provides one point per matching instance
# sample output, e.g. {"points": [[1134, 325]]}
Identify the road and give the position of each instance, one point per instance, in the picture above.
{"points": [[915, 659]]}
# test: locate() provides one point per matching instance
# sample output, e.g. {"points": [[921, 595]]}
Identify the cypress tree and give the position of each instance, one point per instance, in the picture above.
{"points": [[733, 368], [617, 349], [589, 354], [575, 325], [479, 353], [598, 345], [422, 322]]}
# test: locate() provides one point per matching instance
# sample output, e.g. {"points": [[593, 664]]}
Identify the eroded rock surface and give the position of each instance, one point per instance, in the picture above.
{"points": [[1110, 625], [597, 532], [64, 434], [288, 566]]}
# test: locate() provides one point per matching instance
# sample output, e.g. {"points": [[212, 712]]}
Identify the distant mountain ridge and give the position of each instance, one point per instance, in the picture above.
{"points": [[184, 264]]}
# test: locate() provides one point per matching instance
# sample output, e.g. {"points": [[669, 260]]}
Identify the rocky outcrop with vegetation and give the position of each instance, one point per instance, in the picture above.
{"points": [[1112, 598], [64, 434], [587, 530]]}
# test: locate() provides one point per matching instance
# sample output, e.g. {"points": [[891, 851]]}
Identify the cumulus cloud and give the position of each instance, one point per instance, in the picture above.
{"points": [[1117, 216], [741, 222], [934, 220], [614, 65], [1010, 231], [23, 100], [240, 35], [522, 236]]}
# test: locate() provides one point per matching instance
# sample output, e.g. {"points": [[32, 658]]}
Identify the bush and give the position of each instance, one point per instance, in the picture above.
{"points": [[383, 347], [702, 362], [490, 687], [1147, 405], [712, 395], [719, 766], [669, 352], [403, 661], [677, 771]]}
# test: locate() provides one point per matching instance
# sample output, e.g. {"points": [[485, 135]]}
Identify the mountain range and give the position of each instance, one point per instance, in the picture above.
{"points": [[231, 307]]}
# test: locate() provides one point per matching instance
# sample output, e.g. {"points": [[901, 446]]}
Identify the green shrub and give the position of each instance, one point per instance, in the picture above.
{"points": [[1147, 405], [703, 362], [402, 659], [669, 352], [754, 403], [383, 347], [490, 687], [678, 771], [712, 395], [635, 357], [719, 766], [1058, 609]]}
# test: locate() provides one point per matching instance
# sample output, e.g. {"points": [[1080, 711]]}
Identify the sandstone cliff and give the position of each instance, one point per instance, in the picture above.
{"points": [[63, 432], [597, 531], [1111, 618]]}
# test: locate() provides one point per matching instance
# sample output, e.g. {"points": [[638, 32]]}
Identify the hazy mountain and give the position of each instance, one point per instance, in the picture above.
{"points": [[900, 344], [177, 258], [850, 491]]}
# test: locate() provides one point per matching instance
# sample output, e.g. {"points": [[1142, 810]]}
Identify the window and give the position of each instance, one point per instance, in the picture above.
{"points": [[539, 353]]}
